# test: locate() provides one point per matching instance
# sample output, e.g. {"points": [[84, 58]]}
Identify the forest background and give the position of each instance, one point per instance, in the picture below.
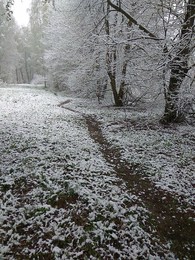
{"points": [[124, 51]]}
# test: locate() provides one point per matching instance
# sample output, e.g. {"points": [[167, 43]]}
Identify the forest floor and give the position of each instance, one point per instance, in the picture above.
{"points": [[79, 180]]}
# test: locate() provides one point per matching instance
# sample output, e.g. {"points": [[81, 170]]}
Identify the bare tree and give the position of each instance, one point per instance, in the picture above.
{"points": [[179, 65], [178, 60]]}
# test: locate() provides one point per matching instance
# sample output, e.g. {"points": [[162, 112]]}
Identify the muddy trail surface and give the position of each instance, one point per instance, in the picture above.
{"points": [[170, 219]]}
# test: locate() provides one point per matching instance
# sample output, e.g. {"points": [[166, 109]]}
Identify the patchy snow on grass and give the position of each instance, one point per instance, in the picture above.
{"points": [[59, 199], [166, 155]]}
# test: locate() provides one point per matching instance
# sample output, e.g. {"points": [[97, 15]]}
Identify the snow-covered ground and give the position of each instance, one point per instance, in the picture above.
{"points": [[166, 157], [165, 154], [60, 199]]}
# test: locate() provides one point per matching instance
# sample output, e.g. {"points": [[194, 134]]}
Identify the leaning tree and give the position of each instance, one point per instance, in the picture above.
{"points": [[177, 17]]}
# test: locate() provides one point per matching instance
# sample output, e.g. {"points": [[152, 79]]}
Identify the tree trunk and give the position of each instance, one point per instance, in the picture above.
{"points": [[17, 76], [22, 75], [179, 69], [173, 112], [110, 62], [26, 68], [121, 92], [117, 99]]}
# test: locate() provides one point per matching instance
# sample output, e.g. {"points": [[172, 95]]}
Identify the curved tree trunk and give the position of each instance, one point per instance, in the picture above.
{"points": [[179, 68]]}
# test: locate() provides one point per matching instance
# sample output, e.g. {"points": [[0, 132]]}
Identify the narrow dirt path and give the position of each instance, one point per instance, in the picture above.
{"points": [[171, 224], [172, 221]]}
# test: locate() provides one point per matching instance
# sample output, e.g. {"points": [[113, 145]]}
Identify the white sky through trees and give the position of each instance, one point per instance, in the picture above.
{"points": [[20, 11]]}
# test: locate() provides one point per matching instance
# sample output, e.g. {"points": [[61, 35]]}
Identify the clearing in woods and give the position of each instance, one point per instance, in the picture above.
{"points": [[83, 181]]}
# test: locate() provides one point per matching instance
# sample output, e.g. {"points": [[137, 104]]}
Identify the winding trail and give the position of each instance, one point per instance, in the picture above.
{"points": [[170, 223]]}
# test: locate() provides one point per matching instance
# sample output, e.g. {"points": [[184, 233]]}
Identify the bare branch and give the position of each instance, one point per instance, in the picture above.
{"points": [[132, 20]]}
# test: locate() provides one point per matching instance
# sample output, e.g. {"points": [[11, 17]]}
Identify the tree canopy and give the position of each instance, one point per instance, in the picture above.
{"points": [[133, 50]]}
